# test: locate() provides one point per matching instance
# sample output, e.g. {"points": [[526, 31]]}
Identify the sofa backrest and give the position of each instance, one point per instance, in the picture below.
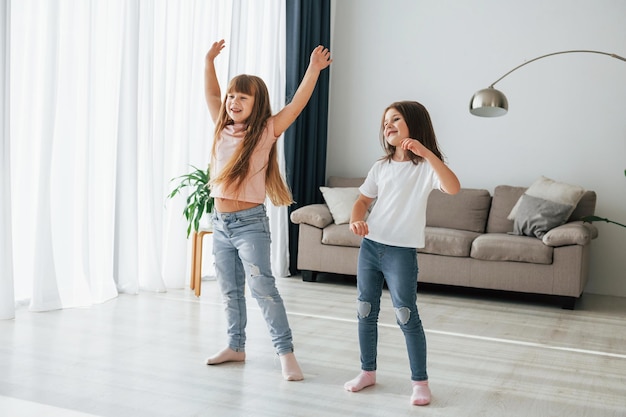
{"points": [[586, 206], [466, 210], [505, 197], [344, 182]]}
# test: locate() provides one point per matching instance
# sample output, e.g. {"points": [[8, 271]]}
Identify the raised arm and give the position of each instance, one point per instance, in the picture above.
{"points": [[320, 59], [212, 91], [449, 182]]}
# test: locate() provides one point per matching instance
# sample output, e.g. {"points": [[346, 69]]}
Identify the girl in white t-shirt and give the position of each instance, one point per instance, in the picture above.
{"points": [[400, 182]]}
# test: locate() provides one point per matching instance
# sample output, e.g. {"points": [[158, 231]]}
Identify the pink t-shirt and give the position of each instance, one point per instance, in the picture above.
{"points": [[252, 189]]}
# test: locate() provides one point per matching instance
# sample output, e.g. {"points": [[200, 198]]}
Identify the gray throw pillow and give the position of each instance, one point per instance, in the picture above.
{"points": [[536, 216], [556, 191]]}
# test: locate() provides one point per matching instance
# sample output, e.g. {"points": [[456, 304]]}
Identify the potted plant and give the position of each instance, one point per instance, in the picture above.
{"points": [[590, 219], [199, 200]]}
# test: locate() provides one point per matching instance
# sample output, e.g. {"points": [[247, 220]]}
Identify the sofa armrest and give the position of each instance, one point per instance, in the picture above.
{"points": [[573, 233], [317, 215]]}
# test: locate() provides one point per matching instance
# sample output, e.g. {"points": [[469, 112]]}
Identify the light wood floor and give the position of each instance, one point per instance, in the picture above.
{"points": [[144, 355]]}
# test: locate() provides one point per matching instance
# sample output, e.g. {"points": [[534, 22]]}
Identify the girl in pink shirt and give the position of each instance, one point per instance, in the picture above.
{"points": [[244, 170]]}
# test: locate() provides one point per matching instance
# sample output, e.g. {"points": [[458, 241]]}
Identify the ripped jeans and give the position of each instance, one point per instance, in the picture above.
{"points": [[398, 267], [241, 248]]}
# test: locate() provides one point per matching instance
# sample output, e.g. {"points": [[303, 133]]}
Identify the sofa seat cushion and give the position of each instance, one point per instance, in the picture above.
{"points": [[340, 235], [505, 247], [448, 242]]}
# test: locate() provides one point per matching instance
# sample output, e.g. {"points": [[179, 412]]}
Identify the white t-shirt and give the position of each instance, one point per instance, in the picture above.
{"points": [[399, 216]]}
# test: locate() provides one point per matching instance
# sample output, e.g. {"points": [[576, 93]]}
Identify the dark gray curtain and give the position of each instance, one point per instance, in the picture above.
{"points": [[308, 25]]}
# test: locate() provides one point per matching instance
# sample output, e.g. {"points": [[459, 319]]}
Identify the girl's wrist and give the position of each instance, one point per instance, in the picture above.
{"points": [[313, 69]]}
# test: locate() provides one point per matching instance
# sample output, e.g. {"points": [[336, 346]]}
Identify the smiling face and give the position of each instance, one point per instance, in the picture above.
{"points": [[395, 127], [246, 101], [239, 106]]}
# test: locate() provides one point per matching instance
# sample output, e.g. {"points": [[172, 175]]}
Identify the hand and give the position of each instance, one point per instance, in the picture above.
{"points": [[415, 146], [320, 58], [215, 50], [359, 228]]}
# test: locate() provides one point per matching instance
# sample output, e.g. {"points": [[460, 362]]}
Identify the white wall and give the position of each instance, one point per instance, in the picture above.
{"points": [[567, 113]]}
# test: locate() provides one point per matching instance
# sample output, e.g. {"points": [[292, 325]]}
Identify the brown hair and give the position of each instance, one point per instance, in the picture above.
{"points": [[236, 170], [420, 128]]}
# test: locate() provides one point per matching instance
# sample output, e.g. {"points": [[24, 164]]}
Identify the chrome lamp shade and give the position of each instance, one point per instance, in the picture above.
{"points": [[489, 102]]}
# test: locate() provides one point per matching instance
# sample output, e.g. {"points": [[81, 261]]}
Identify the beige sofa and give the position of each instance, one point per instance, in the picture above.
{"points": [[468, 244]]}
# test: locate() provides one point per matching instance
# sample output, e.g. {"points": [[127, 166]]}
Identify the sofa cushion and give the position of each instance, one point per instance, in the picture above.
{"points": [[536, 216], [340, 201], [586, 206], [505, 247], [448, 242], [466, 210], [575, 233], [334, 181], [504, 198], [316, 215], [555, 191], [340, 235]]}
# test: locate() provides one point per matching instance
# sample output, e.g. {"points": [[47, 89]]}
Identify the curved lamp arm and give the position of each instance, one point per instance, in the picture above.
{"points": [[490, 102]]}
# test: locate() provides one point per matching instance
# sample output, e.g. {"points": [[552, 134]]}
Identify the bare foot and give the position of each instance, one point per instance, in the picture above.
{"points": [[291, 369], [226, 355]]}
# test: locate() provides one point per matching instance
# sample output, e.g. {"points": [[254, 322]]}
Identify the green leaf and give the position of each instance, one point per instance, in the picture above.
{"points": [[199, 200], [590, 219]]}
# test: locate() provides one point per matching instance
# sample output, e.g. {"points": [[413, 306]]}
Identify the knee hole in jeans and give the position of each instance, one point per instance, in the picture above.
{"points": [[363, 309], [403, 314], [255, 271]]}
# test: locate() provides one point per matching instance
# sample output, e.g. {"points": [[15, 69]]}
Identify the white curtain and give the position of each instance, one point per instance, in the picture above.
{"points": [[7, 306], [270, 66], [106, 106]]}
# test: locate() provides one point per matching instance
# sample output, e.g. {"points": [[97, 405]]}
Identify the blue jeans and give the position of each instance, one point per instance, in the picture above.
{"points": [[398, 267], [241, 248]]}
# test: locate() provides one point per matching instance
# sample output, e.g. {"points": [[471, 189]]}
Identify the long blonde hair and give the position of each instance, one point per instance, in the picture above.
{"points": [[236, 170]]}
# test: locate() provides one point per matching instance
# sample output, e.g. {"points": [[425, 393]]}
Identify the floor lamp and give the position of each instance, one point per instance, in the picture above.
{"points": [[490, 102]]}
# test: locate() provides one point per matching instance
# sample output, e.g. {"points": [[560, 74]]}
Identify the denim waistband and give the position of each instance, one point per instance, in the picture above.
{"points": [[254, 211]]}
